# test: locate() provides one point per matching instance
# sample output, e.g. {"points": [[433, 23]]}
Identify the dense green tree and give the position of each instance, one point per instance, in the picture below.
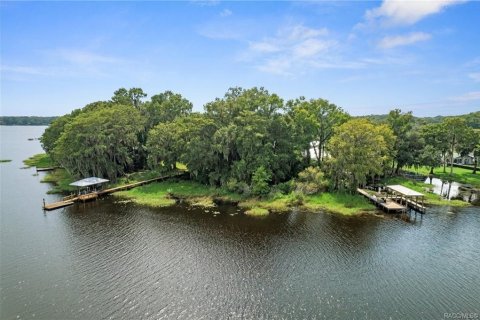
{"points": [[164, 145], [25, 121], [100, 142], [131, 97], [311, 181], [430, 157], [53, 132], [434, 135], [406, 141], [188, 140], [314, 122], [470, 144], [165, 107], [252, 132], [455, 131], [358, 149], [260, 179]]}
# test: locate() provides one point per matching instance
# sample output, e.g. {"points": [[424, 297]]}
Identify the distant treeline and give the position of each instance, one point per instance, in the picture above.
{"points": [[26, 121], [472, 119]]}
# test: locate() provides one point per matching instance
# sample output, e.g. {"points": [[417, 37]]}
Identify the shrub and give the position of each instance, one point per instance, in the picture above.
{"points": [[311, 181], [235, 186], [285, 187], [260, 181], [296, 199]]}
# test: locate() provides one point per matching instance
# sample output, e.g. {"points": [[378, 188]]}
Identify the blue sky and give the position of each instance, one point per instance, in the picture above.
{"points": [[366, 57]]}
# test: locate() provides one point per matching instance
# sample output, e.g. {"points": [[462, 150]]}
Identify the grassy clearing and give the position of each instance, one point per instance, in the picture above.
{"points": [[430, 197], [5, 160], [257, 212], [205, 202], [346, 204], [60, 179], [150, 195], [41, 160], [163, 193], [459, 175]]}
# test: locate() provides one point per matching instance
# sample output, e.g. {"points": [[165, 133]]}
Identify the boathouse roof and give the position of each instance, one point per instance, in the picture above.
{"points": [[404, 191], [88, 182]]}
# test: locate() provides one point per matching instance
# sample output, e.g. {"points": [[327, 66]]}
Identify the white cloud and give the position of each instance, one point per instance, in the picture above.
{"points": [[293, 47], [311, 47], [475, 76], [23, 70], [83, 57], [389, 42], [264, 47], [226, 13], [469, 96], [407, 12], [205, 3], [228, 29], [280, 66]]}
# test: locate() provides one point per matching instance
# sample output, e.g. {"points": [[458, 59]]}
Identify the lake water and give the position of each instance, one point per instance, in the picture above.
{"points": [[108, 260]]}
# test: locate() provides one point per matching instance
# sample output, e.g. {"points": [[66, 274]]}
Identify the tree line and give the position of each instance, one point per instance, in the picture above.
{"points": [[248, 141], [25, 120]]}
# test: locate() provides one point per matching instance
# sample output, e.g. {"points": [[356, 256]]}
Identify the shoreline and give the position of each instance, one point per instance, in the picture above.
{"points": [[168, 193]]}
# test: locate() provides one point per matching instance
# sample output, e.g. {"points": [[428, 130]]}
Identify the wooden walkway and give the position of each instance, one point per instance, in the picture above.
{"points": [[388, 205], [391, 204], [46, 169], [69, 200]]}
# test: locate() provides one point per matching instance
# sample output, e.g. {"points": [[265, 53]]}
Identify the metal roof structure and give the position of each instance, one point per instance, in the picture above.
{"points": [[404, 191], [88, 182]]}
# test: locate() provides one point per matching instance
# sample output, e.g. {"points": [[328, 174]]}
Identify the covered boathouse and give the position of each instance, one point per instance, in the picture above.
{"points": [[407, 197], [396, 199], [88, 187]]}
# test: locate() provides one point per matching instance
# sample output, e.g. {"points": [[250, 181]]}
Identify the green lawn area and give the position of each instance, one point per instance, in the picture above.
{"points": [[60, 179], [459, 175], [431, 198], [161, 193], [41, 160], [346, 204]]}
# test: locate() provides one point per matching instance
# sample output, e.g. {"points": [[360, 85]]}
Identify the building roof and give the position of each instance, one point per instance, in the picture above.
{"points": [[88, 182], [405, 191]]}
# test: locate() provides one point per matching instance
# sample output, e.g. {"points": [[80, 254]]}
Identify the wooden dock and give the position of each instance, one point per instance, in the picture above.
{"points": [[388, 205], [57, 205], [69, 200], [45, 169], [393, 203]]}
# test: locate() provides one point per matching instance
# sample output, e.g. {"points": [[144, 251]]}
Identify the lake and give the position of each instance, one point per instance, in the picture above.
{"points": [[116, 260]]}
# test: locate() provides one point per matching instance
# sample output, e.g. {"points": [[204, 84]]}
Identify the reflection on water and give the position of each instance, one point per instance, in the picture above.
{"points": [[453, 190], [107, 260]]}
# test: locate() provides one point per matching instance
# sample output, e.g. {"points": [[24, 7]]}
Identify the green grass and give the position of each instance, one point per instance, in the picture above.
{"points": [[257, 212], [161, 194], [346, 204], [459, 175], [60, 179], [41, 160], [5, 160], [151, 195], [430, 197]]}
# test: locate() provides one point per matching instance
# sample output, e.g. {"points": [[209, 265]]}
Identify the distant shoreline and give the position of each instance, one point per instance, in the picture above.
{"points": [[26, 120]]}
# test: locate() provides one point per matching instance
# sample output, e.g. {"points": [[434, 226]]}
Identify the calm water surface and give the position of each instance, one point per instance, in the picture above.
{"points": [[110, 260]]}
